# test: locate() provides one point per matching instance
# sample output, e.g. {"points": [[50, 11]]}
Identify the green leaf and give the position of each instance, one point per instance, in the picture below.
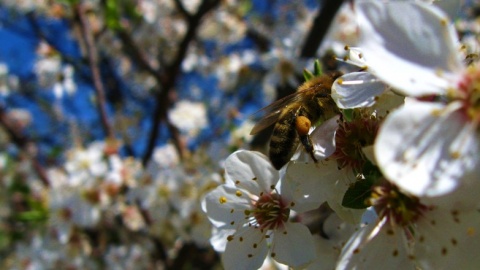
{"points": [[317, 68], [30, 216], [4, 240], [357, 194], [348, 115], [112, 15], [307, 75]]}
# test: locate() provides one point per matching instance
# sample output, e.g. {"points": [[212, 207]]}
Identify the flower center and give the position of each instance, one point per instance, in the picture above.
{"points": [[397, 207], [270, 211], [350, 139], [469, 90]]}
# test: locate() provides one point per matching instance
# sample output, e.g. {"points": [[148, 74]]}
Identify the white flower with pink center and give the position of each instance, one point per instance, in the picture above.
{"points": [[251, 213], [426, 147]]}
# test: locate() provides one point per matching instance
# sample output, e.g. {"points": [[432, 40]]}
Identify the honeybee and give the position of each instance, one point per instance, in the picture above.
{"points": [[293, 116]]}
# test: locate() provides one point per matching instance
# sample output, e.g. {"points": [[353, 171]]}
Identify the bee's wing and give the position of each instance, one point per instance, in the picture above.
{"points": [[273, 111]]}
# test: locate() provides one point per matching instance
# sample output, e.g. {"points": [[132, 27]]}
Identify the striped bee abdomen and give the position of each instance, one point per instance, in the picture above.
{"points": [[284, 141]]}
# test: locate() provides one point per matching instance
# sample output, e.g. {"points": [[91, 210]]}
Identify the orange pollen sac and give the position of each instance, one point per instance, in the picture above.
{"points": [[302, 124], [270, 211]]}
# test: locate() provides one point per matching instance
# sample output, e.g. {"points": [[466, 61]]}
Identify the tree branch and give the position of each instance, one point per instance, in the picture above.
{"points": [[181, 8], [320, 27], [94, 69], [163, 98]]}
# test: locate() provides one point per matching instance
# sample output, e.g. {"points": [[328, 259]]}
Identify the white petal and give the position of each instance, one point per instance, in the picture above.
{"points": [[387, 102], [293, 245], [355, 57], [335, 234], [426, 148], [408, 45], [452, 8], [225, 208], [323, 138], [448, 239], [374, 247], [247, 250], [219, 238], [303, 186], [344, 179], [252, 169], [357, 89]]}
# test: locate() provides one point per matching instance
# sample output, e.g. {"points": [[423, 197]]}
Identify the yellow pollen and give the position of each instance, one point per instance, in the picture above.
{"points": [[455, 155], [238, 193], [346, 47], [444, 22], [439, 72], [250, 255], [237, 182], [254, 178], [471, 231], [340, 81], [222, 200], [230, 238], [247, 212], [436, 113]]}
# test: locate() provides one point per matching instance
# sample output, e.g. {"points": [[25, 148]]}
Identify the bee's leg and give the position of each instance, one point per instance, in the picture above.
{"points": [[307, 143], [302, 125]]}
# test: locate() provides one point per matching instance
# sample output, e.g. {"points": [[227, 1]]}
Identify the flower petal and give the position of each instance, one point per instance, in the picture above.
{"points": [[252, 169], [219, 238], [323, 138], [426, 148], [356, 89], [293, 245], [302, 185], [409, 45], [247, 250], [225, 208], [448, 239], [376, 245]]}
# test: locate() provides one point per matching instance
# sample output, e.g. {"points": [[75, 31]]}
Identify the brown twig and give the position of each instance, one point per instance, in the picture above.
{"points": [[320, 27], [166, 75], [89, 42], [181, 8]]}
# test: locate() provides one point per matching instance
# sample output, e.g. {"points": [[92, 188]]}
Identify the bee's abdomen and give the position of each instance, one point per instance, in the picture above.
{"points": [[283, 142]]}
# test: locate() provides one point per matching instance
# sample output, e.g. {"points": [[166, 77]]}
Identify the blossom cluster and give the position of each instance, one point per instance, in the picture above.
{"points": [[97, 197], [398, 167]]}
